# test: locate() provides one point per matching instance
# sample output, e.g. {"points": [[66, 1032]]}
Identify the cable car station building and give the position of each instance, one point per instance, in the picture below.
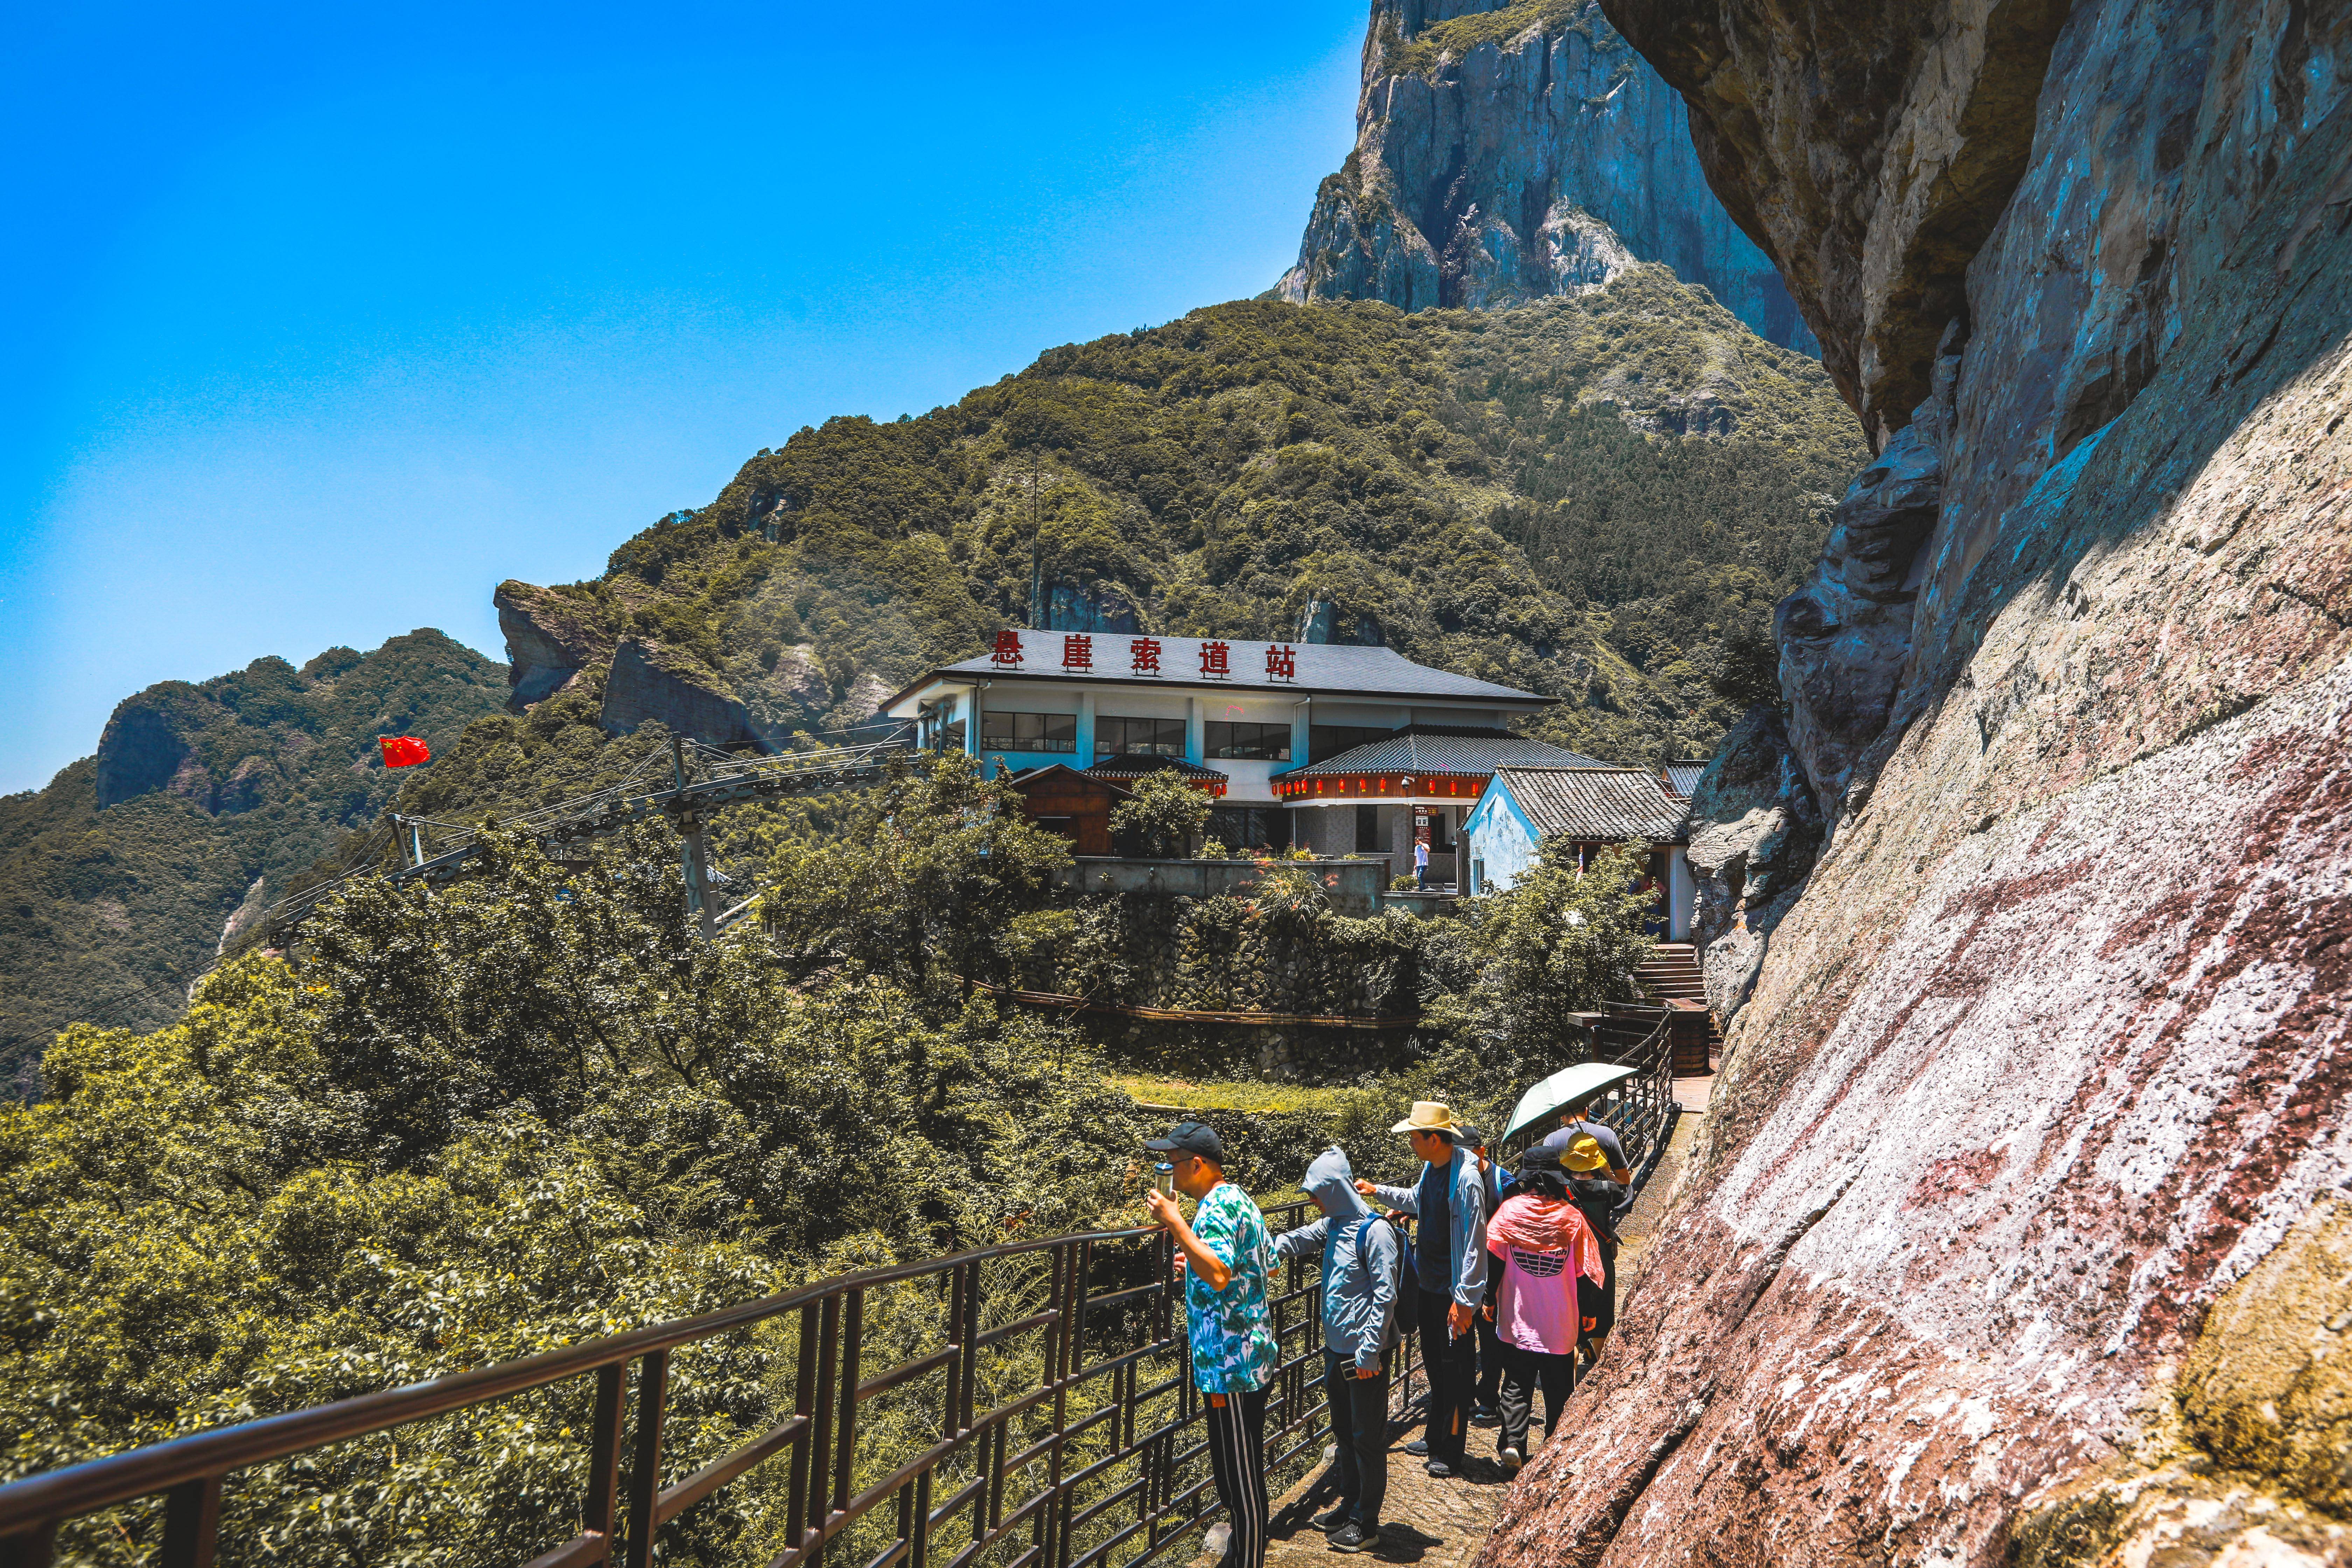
{"points": [[1339, 750]]}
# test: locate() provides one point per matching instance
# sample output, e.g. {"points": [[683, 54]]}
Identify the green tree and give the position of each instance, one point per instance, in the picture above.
{"points": [[1560, 942], [939, 878], [1163, 818], [460, 1126]]}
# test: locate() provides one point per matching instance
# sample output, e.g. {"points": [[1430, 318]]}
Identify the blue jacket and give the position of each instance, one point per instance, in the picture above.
{"points": [[1359, 1263], [1466, 1252]]}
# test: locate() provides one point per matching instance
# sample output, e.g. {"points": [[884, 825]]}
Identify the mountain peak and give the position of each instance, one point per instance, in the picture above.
{"points": [[1509, 151]]}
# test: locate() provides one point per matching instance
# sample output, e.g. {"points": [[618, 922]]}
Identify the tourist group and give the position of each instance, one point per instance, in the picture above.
{"points": [[1508, 1277]]}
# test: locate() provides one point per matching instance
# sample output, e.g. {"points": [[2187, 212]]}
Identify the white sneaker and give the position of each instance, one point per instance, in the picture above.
{"points": [[1512, 1460]]}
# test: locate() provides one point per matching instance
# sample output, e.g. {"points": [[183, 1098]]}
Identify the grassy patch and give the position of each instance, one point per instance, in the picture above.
{"points": [[1228, 1094]]}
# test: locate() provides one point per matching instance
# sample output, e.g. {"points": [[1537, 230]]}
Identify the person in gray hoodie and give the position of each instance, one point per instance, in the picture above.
{"points": [[1449, 1255], [1361, 1263]]}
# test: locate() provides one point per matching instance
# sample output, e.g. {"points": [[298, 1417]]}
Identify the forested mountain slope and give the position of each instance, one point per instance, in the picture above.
{"points": [[120, 880], [1598, 497]]}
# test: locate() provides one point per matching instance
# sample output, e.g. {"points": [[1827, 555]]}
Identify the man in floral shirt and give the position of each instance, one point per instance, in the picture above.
{"points": [[1226, 1255]]}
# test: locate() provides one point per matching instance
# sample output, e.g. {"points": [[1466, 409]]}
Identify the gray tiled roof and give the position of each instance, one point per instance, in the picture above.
{"points": [[1316, 666], [1420, 751], [1596, 802], [1136, 767], [1685, 776]]}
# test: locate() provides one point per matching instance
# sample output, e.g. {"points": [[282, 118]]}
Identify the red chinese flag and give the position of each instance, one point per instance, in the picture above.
{"points": [[403, 751]]}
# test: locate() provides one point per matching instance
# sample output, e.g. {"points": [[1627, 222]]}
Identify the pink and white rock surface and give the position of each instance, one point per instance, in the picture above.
{"points": [[2020, 1229]]}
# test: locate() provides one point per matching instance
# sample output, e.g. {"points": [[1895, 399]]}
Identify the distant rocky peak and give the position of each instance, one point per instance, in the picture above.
{"points": [[1508, 150]]}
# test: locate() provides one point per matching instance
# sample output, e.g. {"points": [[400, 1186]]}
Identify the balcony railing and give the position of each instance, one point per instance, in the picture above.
{"points": [[1025, 1405]]}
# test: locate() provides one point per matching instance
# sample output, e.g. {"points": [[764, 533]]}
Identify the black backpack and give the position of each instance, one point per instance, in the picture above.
{"points": [[1597, 1201]]}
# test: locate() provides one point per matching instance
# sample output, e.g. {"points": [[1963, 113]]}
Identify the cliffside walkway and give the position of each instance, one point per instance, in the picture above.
{"points": [[1446, 1523]]}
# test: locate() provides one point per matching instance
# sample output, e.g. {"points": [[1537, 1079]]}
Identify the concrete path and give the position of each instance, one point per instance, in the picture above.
{"points": [[1650, 1206], [1434, 1524]]}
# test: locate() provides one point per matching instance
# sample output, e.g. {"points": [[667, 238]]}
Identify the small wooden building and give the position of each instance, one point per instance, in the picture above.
{"points": [[1074, 804]]}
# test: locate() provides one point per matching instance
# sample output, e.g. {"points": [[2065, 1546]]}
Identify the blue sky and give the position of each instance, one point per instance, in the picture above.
{"points": [[324, 322]]}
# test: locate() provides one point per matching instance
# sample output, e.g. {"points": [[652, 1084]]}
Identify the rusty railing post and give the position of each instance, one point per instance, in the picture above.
{"points": [[192, 1523], [820, 1485], [796, 1505], [845, 1447], [604, 1451], [645, 1471]]}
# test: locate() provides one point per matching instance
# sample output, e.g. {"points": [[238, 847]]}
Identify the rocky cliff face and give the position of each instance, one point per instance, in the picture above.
{"points": [[1507, 150], [2015, 1230]]}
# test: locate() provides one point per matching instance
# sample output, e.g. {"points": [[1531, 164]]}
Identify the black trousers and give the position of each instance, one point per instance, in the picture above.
{"points": [[1237, 1460], [1490, 1363], [1360, 1430], [1452, 1367], [1524, 1372]]}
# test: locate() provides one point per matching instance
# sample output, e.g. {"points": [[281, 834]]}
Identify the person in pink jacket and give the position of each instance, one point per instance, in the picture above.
{"points": [[1543, 1250]]}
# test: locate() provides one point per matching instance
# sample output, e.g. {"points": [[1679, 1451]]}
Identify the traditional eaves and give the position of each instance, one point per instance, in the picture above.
{"points": [[1423, 749], [1136, 767], [1596, 802]]}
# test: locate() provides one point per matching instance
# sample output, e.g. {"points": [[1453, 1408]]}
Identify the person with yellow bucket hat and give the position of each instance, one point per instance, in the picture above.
{"points": [[1449, 1253], [1592, 1187]]}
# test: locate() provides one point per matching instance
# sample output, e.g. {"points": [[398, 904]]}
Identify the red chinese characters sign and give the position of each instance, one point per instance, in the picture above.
{"points": [[1007, 653], [1281, 662], [1216, 659], [1078, 653], [1146, 656]]}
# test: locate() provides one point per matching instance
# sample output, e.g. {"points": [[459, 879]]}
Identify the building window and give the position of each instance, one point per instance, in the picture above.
{"points": [[1028, 731], [1266, 741], [1367, 830], [1328, 741], [1117, 737]]}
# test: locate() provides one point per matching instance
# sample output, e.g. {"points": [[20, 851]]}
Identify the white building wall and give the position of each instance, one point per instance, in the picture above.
{"points": [[1500, 840], [1681, 895]]}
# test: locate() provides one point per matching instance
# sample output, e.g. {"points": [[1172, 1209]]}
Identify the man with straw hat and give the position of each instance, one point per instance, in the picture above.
{"points": [[1450, 1255]]}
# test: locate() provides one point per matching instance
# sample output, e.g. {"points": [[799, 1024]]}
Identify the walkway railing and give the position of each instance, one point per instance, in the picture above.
{"points": [[1640, 1109], [1025, 1405]]}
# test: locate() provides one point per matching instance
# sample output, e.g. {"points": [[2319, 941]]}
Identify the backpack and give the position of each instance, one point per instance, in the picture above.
{"points": [[1597, 1201], [1408, 1277]]}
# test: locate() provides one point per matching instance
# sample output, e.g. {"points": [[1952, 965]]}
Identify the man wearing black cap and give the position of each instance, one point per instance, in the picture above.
{"points": [[1227, 1255]]}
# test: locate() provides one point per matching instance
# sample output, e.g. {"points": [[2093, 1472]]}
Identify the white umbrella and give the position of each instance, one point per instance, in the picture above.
{"points": [[1564, 1088]]}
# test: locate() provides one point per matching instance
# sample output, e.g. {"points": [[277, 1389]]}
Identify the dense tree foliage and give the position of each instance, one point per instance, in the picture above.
{"points": [[1163, 817], [118, 880], [456, 1127]]}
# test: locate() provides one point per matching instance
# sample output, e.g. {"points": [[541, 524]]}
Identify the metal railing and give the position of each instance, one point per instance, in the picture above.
{"points": [[1039, 1393], [1639, 1110]]}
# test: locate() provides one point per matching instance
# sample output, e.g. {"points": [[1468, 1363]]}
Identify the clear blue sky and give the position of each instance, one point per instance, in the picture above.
{"points": [[322, 322]]}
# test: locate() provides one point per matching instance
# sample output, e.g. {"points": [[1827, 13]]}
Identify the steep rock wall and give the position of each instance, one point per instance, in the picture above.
{"points": [[1534, 154], [2050, 1055]]}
